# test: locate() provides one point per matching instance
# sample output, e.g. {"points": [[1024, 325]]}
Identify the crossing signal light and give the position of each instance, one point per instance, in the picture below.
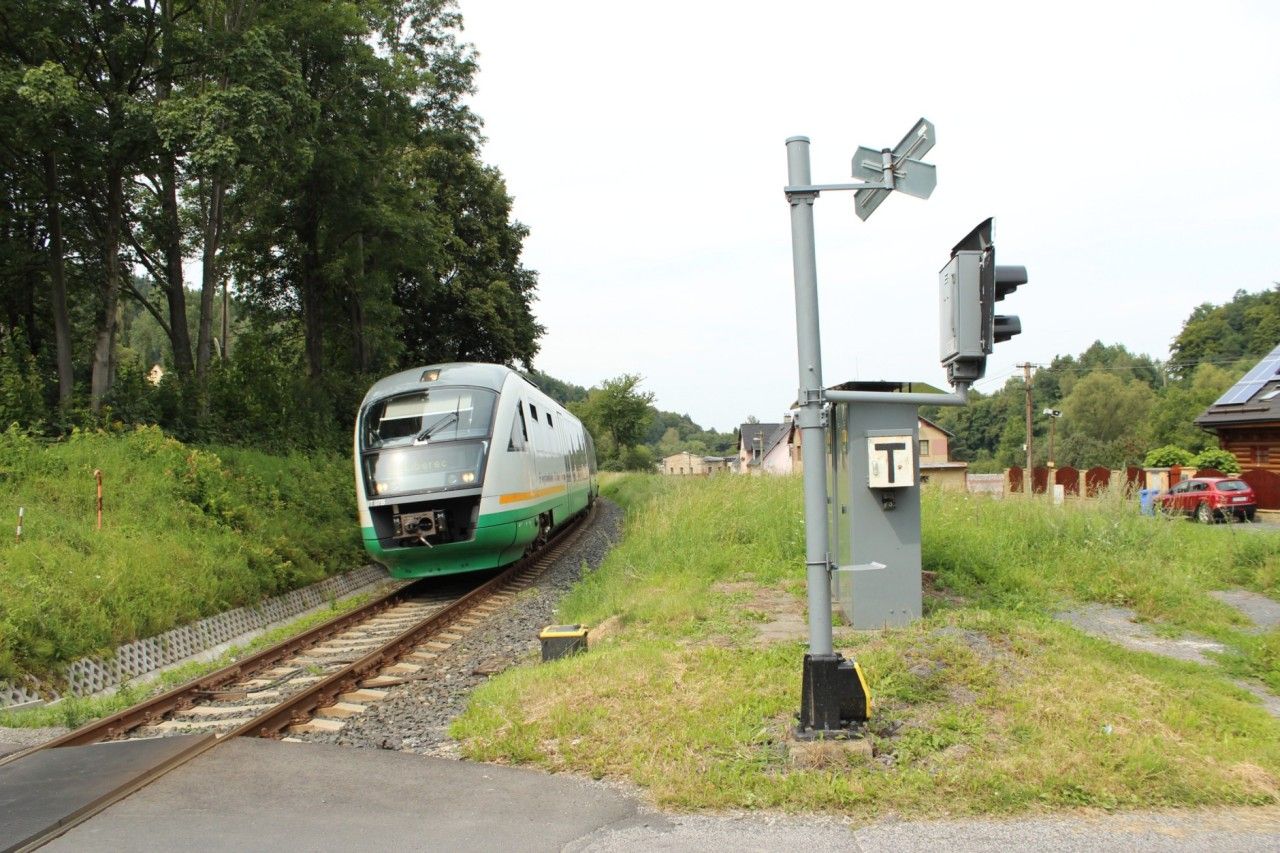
{"points": [[1006, 281], [971, 285]]}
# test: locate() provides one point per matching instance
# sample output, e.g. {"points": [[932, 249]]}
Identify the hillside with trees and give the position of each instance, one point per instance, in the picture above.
{"points": [[275, 201], [1116, 405]]}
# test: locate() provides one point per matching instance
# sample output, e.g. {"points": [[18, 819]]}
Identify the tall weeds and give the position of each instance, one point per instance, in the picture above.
{"points": [[187, 533]]}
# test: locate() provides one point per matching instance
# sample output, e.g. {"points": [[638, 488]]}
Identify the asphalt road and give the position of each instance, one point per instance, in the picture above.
{"points": [[255, 794]]}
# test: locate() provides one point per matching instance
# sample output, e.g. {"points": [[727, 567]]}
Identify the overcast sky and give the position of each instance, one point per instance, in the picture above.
{"points": [[1126, 149]]}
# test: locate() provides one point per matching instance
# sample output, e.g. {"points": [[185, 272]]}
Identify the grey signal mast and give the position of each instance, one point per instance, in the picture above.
{"points": [[880, 429]]}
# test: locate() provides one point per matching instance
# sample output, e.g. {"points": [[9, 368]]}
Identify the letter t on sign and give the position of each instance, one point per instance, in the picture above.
{"points": [[891, 463]]}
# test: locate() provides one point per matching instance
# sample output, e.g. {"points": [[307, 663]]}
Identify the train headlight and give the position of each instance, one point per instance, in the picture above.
{"points": [[469, 477]]}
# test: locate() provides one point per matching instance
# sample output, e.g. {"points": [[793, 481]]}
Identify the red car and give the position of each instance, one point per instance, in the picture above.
{"points": [[1210, 499]]}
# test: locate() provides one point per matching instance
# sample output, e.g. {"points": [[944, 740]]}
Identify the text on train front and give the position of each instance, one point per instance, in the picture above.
{"points": [[426, 441]]}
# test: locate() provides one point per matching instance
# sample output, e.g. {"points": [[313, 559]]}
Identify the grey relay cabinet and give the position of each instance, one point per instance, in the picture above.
{"points": [[874, 500]]}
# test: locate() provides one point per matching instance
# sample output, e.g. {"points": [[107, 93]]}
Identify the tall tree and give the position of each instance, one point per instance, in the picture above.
{"points": [[616, 411], [110, 51], [40, 105], [1173, 416], [1105, 420]]}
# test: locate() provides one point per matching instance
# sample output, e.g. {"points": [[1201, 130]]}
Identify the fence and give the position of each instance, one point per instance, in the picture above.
{"points": [[1265, 484]]}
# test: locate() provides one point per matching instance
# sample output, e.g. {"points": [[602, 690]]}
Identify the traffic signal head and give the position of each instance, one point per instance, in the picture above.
{"points": [[1007, 280], [971, 285]]}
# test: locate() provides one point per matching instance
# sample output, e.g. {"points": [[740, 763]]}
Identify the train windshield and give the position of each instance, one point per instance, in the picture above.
{"points": [[426, 441]]}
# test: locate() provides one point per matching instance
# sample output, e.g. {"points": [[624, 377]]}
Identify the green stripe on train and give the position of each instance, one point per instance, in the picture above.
{"points": [[501, 538]]}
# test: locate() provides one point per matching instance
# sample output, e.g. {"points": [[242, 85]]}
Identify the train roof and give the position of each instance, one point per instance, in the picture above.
{"points": [[455, 373]]}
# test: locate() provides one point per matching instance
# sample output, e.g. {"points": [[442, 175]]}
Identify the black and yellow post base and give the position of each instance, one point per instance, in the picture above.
{"points": [[835, 701]]}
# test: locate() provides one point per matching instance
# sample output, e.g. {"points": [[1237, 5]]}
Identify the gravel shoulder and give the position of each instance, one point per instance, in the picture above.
{"points": [[416, 716], [12, 740]]}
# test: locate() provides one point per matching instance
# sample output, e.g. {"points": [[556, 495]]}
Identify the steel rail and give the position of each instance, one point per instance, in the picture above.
{"points": [[183, 695], [299, 705]]}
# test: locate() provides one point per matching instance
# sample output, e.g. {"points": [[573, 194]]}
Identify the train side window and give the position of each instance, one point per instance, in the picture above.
{"points": [[519, 435], [549, 423], [533, 410]]}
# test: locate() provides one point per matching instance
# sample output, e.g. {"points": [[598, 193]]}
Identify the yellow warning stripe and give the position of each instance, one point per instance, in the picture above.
{"points": [[866, 691], [517, 497]]}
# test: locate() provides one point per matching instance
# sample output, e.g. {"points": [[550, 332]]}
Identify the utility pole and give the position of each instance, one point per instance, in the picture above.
{"points": [[1026, 374]]}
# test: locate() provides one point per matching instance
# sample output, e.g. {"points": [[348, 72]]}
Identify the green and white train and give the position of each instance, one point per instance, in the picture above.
{"points": [[464, 467]]}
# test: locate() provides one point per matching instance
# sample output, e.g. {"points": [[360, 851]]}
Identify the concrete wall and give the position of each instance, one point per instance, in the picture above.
{"points": [[683, 464], [951, 478]]}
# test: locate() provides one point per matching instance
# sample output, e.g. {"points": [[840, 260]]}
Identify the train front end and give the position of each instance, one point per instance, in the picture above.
{"points": [[422, 447]]}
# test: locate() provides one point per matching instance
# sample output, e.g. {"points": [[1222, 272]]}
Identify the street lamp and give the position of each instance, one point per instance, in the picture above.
{"points": [[1053, 414]]}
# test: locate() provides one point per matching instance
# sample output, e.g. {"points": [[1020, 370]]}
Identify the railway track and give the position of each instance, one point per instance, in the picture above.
{"points": [[312, 682]]}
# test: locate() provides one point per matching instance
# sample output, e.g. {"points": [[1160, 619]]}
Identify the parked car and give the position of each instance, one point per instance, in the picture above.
{"points": [[1210, 499]]}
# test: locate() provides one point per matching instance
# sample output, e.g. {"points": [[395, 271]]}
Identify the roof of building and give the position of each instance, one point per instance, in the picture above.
{"points": [[888, 385], [769, 435], [782, 432], [1254, 399], [940, 429], [749, 432]]}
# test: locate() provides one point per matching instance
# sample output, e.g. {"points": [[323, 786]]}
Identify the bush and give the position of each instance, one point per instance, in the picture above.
{"points": [[21, 390], [638, 458], [262, 398], [1167, 457], [1217, 459]]}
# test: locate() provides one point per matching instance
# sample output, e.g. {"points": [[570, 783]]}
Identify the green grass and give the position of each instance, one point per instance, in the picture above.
{"points": [[186, 533], [987, 705], [1022, 555]]}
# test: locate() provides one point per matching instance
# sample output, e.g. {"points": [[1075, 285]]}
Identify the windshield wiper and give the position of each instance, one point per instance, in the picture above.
{"points": [[438, 425]]}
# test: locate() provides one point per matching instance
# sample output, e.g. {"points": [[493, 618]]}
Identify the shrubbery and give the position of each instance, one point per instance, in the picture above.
{"points": [[1217, 459], [1211, 457], [260, 397], [1167, 457]]}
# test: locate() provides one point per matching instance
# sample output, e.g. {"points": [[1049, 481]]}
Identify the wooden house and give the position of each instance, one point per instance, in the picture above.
{"points": [[1246, 419]]}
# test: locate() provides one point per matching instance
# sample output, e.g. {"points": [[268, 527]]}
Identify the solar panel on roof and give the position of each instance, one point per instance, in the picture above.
{"points": [[1253, 381]]}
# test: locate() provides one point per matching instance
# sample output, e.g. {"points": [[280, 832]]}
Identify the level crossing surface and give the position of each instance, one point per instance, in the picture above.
{"points": [[264, 794]]}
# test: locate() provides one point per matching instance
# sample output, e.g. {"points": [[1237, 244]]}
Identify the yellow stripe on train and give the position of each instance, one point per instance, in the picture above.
{"points": [[517, 497]]}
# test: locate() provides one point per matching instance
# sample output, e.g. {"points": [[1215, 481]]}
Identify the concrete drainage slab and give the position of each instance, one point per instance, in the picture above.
{"points": [[1262, 611], [1117, 625]]}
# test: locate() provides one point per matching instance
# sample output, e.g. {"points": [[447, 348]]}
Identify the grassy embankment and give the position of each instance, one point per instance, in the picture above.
{"points": [[985, 706], [186, 533]]}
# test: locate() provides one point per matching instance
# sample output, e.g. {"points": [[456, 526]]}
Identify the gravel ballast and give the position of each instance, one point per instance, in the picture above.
{"points": [[415, 717]]}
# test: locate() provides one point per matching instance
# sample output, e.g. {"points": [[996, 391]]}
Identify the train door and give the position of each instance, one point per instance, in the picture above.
{"points": [[536, 446], [521, 447], [559, 468]]}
